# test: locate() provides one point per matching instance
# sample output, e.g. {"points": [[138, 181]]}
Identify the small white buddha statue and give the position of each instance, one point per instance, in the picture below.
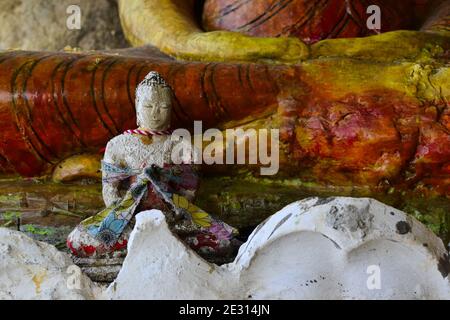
{"points": [[140, 172], [151, 142]]}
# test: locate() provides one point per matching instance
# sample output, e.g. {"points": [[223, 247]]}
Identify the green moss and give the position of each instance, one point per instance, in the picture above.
{"points": [[246, 201], [243, 201], [41, 231], [12, 197], [435, 215], [386, 47], [9, 218], [10, 215]]}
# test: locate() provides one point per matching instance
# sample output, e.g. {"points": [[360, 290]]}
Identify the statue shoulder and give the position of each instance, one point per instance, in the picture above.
{"points": [[116, 145], [119, 140]]}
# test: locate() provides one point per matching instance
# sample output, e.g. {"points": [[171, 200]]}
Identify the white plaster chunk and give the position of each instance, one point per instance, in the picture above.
{"points": [[335, 248], [166, 268], [35, 270]]}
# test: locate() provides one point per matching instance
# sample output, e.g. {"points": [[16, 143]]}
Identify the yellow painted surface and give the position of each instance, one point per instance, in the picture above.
{"points": [[168, 25], [78, 167], [38, 279]]}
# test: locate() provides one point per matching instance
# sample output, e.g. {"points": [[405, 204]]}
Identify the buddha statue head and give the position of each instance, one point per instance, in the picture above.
{"points": [[153, 103]]}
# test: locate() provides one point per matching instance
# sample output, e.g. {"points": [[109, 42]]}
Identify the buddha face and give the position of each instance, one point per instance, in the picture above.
{"points": [[154, 106]]}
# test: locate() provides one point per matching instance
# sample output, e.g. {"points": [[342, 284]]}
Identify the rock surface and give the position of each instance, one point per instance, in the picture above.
{"points": [[343, 248], [41, 25], [317, 248], [333, 248], [35, 270]]}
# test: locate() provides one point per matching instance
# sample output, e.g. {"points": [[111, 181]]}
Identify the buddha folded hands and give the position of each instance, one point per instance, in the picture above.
{"points": [[166, 189]]}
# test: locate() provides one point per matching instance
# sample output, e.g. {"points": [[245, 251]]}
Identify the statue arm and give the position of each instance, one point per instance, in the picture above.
{"points": [[170, 26], [110, 190]]}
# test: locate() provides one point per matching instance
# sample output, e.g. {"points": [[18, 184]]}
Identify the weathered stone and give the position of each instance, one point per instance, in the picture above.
{"points": [[35, 270], [41, 25], [242, 203], [160, 266], [317, 256], [100, 270], [311, 249]]}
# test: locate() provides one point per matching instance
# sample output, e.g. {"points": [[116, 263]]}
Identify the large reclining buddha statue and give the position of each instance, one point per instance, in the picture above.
{"points": [[368, 112]]}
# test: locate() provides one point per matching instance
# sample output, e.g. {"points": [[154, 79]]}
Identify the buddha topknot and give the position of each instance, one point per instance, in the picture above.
{"points": [[152, 79]]}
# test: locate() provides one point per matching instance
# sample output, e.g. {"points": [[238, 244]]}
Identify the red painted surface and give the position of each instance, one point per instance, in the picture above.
{"points": [[53, 105], [312, 20]]}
